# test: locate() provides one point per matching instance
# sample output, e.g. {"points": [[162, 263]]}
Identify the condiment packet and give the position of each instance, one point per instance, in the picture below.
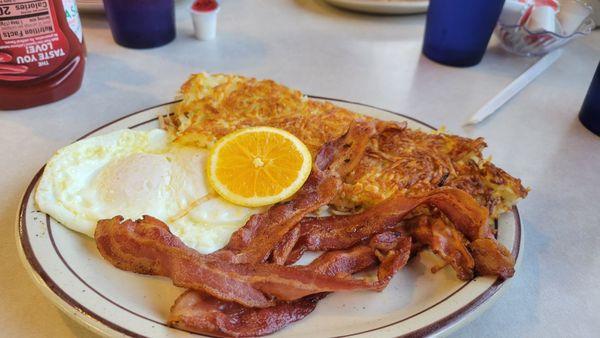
{"points": [[544, 15], [571, 16], [515, 12], [204, 17], [543, 18]]}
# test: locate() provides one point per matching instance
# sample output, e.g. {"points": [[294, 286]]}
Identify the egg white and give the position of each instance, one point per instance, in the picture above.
{"points": [[134, 173]]}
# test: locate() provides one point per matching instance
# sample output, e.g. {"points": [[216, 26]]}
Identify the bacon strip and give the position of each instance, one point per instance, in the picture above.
{"points": [[147, 246], [492, 258], [254, 242], [199, 312], [283, 249], [343, 154], [446, 242], [485, 254], [339, 232]]}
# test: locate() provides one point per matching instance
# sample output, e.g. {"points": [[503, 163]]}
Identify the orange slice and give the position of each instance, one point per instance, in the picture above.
{"points": [[258, 166]]}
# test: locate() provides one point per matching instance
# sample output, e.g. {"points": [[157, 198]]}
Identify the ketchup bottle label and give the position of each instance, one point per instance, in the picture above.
{"points": [[31, 41]]}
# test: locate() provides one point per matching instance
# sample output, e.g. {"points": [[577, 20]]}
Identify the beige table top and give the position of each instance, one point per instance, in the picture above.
{"points": [[376, 60]]}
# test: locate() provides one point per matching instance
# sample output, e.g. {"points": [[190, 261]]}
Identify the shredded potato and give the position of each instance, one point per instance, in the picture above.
{"points": [[411, 161]]}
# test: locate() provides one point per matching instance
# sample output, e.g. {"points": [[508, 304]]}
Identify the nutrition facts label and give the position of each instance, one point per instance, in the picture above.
{"points": [[32, 42], [25, 19]]}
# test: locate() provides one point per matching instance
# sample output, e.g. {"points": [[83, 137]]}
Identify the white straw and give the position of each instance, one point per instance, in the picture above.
{"points": [[514, 87]]}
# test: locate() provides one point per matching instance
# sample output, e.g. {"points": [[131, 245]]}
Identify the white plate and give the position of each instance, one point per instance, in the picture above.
{"points": [[70, 271], [383, 6]]}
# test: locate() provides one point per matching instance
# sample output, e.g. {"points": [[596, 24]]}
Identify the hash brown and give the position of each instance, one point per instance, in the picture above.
{"points": [[397, 159]]}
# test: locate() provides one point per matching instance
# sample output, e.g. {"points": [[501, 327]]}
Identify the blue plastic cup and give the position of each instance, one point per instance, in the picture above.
{"points": [[589, 115], [457, 31], [141, 23]]}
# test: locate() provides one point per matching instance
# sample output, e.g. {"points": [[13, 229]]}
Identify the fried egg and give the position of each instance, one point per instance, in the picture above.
{"points": [[135, 173]]}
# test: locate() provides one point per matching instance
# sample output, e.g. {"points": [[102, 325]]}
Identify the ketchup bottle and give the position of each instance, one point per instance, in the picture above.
{"points": [[42, 55]]}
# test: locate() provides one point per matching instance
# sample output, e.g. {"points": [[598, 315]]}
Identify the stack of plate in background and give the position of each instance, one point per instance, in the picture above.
{"points": [[383, 6]]}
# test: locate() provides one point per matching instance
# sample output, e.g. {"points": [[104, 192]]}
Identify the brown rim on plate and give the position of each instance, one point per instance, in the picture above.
{"points": [[431, 328]]}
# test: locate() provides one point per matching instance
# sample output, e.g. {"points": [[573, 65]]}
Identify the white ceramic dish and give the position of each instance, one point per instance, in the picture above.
{"points": [[72, 274], [383, 6]]}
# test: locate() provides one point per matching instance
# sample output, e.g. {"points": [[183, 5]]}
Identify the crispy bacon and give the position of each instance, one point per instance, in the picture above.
{"points": [[202, 313], [339, 232], [344, 262], [492, 258], [446, 242], [342, 155], [486, 256], [199, 312], [283, 250], [469, 221], [388, 247], [254, 242], [147, 246]]}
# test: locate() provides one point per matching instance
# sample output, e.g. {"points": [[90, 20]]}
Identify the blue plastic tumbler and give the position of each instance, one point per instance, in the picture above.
{"points": [[141, 23], [457, 31], [589, 115]]}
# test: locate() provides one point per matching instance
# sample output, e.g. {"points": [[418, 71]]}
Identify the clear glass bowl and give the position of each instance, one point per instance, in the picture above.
{"points": [[520, 40]]}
